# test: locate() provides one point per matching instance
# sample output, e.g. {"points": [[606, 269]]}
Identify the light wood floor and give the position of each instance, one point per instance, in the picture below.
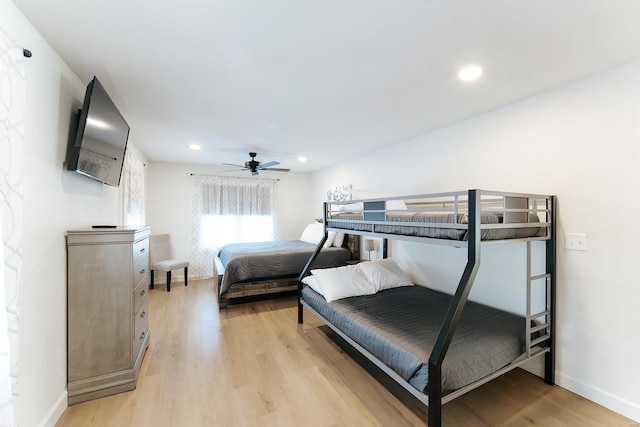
{"points": [[253, 365]]}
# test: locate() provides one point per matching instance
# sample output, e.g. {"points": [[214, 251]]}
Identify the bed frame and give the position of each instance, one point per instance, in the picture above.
{"points": [[269, 286], [519, 211], [252, 288]]}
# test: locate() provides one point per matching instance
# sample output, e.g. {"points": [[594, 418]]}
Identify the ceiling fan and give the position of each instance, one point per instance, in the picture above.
{"points": [[254, 166]]}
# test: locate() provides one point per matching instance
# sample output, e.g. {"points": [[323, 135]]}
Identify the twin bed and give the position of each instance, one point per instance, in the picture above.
{"points": [[407, 330]]}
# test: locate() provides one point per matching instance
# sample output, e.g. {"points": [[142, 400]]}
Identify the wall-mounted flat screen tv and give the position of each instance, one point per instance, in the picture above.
{"points": [[101, 139]]}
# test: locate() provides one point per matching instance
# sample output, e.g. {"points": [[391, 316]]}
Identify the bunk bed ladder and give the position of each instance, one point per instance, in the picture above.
{"points": [[434, 386], [540, 324]]}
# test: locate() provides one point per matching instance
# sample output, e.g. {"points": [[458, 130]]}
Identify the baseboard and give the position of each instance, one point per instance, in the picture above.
{"points": [[601, 397], [55, 412]]}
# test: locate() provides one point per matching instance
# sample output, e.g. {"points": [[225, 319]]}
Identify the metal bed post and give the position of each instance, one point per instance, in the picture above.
{"points": [[454, 312], [306, 268], [527, 334], [549, 358]]}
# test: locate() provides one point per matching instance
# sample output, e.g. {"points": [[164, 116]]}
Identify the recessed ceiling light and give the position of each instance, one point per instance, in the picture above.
{"points": [[195, 147], [470, 73], [302, 159]]}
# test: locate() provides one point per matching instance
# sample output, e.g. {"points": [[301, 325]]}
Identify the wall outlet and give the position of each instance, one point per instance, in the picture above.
{"points": [[575, 241]]}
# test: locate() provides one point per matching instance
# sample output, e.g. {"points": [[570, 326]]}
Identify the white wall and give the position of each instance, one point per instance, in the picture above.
{"points": [[54, 201], [582, 143], [169, 202]]}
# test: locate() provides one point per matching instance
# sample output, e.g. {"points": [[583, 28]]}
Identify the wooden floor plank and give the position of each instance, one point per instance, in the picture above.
{"points": [[253, 365]]}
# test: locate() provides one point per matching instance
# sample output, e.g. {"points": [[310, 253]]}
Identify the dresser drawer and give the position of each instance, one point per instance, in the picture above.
{"points": [[140, 295], [140, 273], [140, 250], [141, 327]]}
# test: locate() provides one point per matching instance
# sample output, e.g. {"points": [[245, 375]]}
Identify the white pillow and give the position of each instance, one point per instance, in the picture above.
{"points": [[313, 233], [396, 205], [308, 232], [384, 274], [343, 282], [351, 207], [330, 239], [313, 283], [338, 240]]}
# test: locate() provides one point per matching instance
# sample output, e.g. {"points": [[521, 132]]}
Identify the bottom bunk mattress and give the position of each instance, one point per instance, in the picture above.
{"points": [[399, 327]]}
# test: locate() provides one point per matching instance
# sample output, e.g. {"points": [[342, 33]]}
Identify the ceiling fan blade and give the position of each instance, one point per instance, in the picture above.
{"points": [[268, 164], [233, 170], [276, 169], [238, 166]]}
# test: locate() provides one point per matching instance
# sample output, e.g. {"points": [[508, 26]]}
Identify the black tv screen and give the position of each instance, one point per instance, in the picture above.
{"points": [[101, 139]]}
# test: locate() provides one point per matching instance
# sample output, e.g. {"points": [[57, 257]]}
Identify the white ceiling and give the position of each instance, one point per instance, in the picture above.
{"points": [[328, 79]]}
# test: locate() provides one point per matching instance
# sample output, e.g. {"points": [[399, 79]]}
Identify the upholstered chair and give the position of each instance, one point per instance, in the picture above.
{"points": [[161, 258]]}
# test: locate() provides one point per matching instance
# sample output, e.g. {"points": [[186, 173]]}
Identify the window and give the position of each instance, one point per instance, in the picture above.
{"points": [[218, 230], [230, 210]]}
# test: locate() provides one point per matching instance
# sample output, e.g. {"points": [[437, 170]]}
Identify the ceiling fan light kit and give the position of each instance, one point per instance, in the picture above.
{"points": [[254, 166]]}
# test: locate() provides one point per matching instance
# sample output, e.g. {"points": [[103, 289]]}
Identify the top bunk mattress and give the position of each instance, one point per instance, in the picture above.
{"points": [[399, 326], [429, 224], [447, 216]]}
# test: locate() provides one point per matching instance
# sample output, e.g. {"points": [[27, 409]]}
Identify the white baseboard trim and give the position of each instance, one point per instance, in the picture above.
{"points": [[55, 412], [601, 397]]}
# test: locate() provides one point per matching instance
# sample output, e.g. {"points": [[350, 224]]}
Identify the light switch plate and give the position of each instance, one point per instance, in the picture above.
{"points": [[575, 241]]}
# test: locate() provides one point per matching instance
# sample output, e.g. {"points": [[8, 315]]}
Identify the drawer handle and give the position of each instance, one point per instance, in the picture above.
{"points": [[142, 272], [142, 250], [144, 313], [142, 335], [143, 293]]}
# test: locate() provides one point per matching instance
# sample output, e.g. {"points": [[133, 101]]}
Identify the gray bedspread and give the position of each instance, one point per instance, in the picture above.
{"points": [[414, 218], [266, 260], [399, 326]]}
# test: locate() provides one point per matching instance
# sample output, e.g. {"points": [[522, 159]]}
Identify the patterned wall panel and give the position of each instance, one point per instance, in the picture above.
{"points": [[12, 100]]}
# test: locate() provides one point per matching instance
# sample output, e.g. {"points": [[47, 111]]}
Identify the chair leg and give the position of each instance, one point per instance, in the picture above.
{"points": [[186, 276], [151, 284], [168, 281]]}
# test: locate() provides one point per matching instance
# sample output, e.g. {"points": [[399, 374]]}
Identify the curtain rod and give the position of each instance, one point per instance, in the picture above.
{"points": [[224, 176]]}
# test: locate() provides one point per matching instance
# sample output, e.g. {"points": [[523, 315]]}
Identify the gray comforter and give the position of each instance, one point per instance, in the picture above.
{"points": [[266, 260], [399, 326]]}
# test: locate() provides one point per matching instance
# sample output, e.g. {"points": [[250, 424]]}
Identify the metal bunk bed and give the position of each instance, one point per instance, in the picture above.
{"points": [[468, 219]]}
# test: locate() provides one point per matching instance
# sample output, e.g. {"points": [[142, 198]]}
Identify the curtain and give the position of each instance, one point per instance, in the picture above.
{"points": [[230, 210], [132, 190], [12, 100]]}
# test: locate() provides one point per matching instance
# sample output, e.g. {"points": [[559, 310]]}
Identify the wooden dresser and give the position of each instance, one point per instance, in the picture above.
{"points": [[107, 310]]}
